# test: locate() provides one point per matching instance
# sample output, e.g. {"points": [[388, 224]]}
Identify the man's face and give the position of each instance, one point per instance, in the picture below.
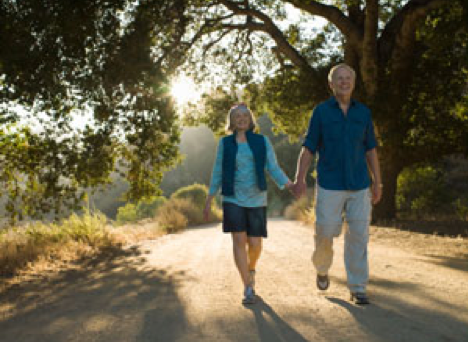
{"points": [[342, 83]]}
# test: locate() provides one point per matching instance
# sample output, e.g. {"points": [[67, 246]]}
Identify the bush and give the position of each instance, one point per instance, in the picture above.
{"points": [[178, 213], [173, 215], [197, 193], [461, 208], [422, 191], [127, 213], [146, 208]]}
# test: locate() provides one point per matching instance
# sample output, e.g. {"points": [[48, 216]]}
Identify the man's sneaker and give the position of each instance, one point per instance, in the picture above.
{"points": [[323, 282], [359, 298], [252, 279], [249, 296]]}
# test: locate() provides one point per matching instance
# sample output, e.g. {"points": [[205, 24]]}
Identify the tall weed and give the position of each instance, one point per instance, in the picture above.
{"points": [[301, 210]]}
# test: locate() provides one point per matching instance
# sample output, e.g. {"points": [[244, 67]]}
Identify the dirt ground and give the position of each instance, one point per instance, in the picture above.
{"points": [[184, 287]]}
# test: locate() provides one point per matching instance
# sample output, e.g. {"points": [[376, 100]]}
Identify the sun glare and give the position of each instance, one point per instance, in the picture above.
{"points": [[184, 90]]}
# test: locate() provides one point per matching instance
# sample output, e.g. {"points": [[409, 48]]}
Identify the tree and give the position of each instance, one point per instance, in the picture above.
{"points": [[411, 59], [111, 58], [116, 57]]}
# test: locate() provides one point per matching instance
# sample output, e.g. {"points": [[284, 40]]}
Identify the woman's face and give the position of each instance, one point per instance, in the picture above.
{"points": [[241, 121]]}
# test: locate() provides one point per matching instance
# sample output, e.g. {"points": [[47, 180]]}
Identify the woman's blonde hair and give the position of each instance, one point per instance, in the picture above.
{"points": [[238, 109]]}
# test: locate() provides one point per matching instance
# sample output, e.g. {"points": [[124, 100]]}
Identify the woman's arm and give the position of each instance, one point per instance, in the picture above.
{"points": [[274, 169]]}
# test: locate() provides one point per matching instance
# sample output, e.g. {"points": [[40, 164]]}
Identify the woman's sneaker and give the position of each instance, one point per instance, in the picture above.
{"points": [[323, 282], [249, 296]]}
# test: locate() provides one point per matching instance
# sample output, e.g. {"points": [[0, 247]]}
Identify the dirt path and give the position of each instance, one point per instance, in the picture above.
{"points": [[184, 287]]}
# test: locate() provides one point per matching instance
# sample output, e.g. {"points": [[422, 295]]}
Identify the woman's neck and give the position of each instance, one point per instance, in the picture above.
{"points": [[240, 136]]}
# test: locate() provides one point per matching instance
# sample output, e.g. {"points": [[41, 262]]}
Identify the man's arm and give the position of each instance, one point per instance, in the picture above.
{"points": [[374, 166], [303, 164]]}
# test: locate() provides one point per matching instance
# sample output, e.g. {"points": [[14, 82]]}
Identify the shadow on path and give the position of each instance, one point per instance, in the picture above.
{"points": [[456, 263], [114, 297], [395, 314], [272, 327]]}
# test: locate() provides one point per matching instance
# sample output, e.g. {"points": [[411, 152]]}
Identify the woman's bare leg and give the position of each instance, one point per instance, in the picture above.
{"points": [[239, 240], [255, 249]]}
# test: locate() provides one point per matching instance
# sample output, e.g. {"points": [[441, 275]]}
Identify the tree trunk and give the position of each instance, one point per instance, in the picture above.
{"points": [[391, 166]]}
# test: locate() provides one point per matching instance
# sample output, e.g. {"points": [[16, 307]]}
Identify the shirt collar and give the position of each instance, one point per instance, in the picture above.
{"points": [[334, 101]]}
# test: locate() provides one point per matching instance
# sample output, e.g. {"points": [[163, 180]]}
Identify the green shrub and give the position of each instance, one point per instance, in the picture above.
{"points": [[421, 192], [461, 208], [197, 193], [89, 228], [146, 208], [127, 213]]}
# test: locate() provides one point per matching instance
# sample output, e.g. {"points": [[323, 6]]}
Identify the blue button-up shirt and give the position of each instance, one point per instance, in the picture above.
{"points": [[341, 142]]}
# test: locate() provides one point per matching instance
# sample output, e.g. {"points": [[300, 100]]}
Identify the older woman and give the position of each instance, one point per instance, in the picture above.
{"points": [[241, 161]]}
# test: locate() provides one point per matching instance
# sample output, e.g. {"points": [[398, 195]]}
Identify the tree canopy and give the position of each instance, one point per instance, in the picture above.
{"points": [[114, 59], [411, 59], [110, 58]]}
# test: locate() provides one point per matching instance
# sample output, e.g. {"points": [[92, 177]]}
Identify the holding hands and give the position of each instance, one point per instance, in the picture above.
{"points": [[297, 188]]}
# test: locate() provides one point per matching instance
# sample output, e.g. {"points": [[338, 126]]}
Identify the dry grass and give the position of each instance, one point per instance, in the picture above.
{"points": [[147, 229], [301, 210], [20, 247], [170, 216], [39, 247], [178, 213], [36, 247]]}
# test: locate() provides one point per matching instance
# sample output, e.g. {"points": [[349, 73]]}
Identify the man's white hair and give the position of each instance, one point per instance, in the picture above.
{"points": [[340, 66]]}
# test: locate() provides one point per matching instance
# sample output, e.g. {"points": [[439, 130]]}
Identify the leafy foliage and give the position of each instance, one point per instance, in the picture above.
{"points": [[114, 60], [411, 71], [421, 191], [110, 59], [434, 190], [196, 193], [145, 208]]}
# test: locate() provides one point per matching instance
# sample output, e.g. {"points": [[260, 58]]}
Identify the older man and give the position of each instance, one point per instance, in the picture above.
{"points": [[342, 134]]}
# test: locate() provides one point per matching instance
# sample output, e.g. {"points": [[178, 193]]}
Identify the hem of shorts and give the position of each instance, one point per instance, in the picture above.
{"points": [[243, 231]]}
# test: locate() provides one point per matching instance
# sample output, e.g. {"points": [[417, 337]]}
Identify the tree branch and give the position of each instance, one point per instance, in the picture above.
{"points": [[397, 39], [269, 27], [347, 27]]}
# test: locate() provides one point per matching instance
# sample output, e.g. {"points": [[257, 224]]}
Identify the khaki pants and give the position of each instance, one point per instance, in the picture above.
{"points": [[332, 207]]}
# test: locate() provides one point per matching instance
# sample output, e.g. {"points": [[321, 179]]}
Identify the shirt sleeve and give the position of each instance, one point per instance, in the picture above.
{"points": [[371, 141], [272, 166], [313, 135], [217, 170]]}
